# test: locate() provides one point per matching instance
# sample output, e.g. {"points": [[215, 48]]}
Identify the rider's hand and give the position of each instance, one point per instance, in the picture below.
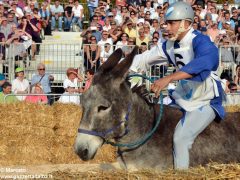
{"points": [[160, 84]]}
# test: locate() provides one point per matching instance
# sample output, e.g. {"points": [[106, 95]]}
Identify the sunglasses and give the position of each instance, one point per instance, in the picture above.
{"points": [[119, 30], [105, 34], [147, 14], [41, 69]]}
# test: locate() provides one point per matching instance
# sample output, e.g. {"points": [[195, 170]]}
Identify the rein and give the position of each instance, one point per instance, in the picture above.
{"points": [[137, 143]]}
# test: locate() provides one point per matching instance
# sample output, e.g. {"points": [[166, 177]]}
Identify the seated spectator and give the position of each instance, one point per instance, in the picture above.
{"points": [[88, 82], [20, 85], [72, 80], [141, 38], [37, 89], [7, 91], [77, 14], [2, 81], [45, 18], [92, 55], [68, 15], [106, 39], [232, 87], [143, 47], [128, 28], [70, 96], [57, 15], [45, 80]]}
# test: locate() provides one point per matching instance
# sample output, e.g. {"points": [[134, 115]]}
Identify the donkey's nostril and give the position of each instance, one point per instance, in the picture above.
{"points": [[85, 152]]}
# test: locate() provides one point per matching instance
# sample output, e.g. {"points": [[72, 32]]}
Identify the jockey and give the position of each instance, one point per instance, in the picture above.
{"points": [[198, 92]]}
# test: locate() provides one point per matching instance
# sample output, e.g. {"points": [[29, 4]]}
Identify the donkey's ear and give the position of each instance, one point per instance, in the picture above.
{"points": [[121, 70], [112, 61]]}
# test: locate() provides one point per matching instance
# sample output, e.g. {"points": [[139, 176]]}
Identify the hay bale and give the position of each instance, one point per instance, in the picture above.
{"points": [[39, 134], [235, 108]]}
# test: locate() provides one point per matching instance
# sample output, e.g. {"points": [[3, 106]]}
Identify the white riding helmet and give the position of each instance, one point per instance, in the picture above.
{"points": [[179, 11]]}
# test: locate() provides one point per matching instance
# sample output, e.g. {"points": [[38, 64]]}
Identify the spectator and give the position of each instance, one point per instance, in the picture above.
{"points": [[106, 39], [70, 96], [92, 5], [232, 87], [123, 42], [5, 28], [43, 79], [10, 19], [20, 85], [72, 80], [128, 49], [237, 77], [89, 77], [143, 47], [77, 14], [141, 38], [213, 31], [92, 55], [16, 10], [2, 81], [107, 26], [57, 15], [117, 16], [129, 29], [226, 53], [45, 19], [68, 15], [37, 89], [6, 87], [106, 53]]}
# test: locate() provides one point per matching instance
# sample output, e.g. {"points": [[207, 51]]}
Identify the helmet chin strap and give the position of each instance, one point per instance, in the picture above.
{"points": [[181, 29]]}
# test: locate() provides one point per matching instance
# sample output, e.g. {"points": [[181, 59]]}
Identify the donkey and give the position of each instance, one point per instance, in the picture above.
{"points": [[106, 116]]}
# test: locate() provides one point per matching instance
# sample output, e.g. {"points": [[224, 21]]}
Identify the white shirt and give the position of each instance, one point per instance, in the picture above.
{"points": [[77, 11], [105, 55], [67, 83], [65, 98], [18, 85], [101, 43]]}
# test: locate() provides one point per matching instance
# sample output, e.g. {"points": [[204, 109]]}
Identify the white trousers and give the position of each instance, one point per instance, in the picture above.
{"points": [[187, 129]]}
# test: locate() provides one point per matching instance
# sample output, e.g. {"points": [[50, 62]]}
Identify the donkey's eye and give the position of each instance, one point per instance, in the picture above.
{"points": [[102, 108]]}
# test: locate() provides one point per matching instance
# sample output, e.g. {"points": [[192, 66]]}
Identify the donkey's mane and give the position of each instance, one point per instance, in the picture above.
{"points": [[141, 91]]}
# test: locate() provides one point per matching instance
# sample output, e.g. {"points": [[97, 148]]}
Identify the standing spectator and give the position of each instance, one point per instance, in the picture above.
{"points": [[77, 13], [106, 39], [92, 5], [237, 77], [68, 15], [106, 53], [45, 19], [2, 81], [6, 87], [45, 81], [16, 10], [5, 28], [92, 55], [129, 29], [57, 15], [37, 89], [20, 85]]}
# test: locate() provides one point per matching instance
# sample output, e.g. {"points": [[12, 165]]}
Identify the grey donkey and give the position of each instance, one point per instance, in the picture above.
{"points": [[106, 105]]}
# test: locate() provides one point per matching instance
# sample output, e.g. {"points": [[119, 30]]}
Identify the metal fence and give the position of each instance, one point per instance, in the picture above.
{"points": [[62, 98], [58, 56]]}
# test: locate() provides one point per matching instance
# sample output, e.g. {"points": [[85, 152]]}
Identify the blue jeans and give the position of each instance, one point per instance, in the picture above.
{"points": [[78, 21], [91, 10], [59, 22], [67, 23]]}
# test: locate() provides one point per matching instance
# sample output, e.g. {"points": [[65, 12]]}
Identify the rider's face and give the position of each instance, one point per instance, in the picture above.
{"points": [[172, 28]]}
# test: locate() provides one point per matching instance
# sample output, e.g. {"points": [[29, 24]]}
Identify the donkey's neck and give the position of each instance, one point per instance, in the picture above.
{"points": [[141, 119]]}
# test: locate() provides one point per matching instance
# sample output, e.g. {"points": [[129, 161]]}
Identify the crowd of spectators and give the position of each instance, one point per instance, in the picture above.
{"points": [[121, 25]]}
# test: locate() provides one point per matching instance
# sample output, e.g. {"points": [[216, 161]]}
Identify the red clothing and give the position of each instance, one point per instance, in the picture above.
{"points": [[37, 99]]}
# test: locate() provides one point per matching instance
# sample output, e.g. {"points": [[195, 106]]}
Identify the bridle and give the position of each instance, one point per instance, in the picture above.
{"points": [[136, 143]]}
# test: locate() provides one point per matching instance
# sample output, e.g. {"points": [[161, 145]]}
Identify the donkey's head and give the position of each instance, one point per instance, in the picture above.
{"points": [[105, 105]]}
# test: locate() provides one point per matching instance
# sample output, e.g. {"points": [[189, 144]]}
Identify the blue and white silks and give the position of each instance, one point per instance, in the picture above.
{"points": [[195, 54]]}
